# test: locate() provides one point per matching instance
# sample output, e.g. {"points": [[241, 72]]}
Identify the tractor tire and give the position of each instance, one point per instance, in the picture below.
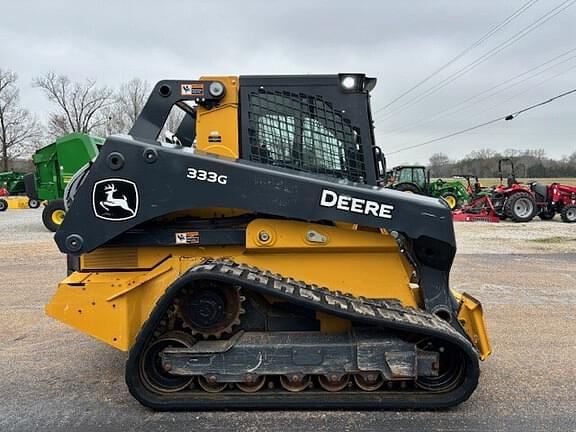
{"points": [[450, 199], [3, 205], [547, 214], [568, 213], [33, 203], [53, 214], [408, 187], [520, 207]]}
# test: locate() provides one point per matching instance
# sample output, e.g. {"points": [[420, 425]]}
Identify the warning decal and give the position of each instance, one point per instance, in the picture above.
{"points": [[196, 90], [192, 237]]}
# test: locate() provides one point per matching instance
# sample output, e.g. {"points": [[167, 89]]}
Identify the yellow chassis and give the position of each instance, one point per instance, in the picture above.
{"points": [[117, 288]]}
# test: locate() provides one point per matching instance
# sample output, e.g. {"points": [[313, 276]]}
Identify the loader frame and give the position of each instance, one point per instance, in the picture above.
{"points": [[273, 191], [272, 229]]}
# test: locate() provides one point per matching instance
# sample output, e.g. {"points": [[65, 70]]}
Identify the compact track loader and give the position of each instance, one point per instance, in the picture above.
{"points": [[253, 261]]}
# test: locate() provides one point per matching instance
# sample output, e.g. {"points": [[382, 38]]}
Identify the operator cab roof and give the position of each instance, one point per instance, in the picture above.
{"points": [[348, 82]]}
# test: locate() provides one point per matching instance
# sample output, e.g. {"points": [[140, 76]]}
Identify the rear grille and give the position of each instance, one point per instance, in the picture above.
{"points": [[110, 258]]}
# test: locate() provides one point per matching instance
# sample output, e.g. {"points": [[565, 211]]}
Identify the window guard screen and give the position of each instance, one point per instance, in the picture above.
{"points": [[304, 133]]}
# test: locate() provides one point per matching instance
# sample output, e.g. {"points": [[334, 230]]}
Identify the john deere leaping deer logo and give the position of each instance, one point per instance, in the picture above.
{"points": [[109, 190], [115, 199]]}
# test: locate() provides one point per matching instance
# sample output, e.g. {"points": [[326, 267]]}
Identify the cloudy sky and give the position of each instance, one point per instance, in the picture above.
{"points": [[399, 42]]}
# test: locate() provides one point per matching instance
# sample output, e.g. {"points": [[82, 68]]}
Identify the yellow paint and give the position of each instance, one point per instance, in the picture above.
{"points": [[113, 305], [17, 202], [471, 316], [58, 216], [451, 201], [220, 122]]}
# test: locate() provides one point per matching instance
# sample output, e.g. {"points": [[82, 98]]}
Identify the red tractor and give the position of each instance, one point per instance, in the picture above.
{"points": [[559, 199], [514, 200]]}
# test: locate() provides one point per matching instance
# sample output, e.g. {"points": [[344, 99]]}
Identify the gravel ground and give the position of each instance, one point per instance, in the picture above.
{"points": [[533, 237], [55, 378]]}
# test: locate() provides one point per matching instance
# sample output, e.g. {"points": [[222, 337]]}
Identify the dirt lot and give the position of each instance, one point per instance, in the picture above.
{"points": [[54, 378]]}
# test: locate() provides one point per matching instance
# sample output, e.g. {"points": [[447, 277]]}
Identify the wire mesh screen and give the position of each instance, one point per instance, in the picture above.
{"points": [[303, 133]]}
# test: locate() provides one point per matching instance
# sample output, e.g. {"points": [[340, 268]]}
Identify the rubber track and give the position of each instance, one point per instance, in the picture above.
{"points": [[382, 313]]}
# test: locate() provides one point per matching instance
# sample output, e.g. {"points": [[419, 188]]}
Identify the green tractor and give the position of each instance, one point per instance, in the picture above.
{"points": [[12, 182], [55, 166], [416, 179], [473, 185]]}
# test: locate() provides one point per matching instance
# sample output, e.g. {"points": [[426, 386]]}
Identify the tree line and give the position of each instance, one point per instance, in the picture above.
{"points": [[84, 106], [484, 163], [77, 107]]}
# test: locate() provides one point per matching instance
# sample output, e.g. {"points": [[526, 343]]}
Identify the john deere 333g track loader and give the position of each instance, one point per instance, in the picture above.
{"points": [[254, 263]]}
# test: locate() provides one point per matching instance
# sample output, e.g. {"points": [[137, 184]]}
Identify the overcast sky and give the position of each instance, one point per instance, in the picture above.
{"points": [[399, 42]]}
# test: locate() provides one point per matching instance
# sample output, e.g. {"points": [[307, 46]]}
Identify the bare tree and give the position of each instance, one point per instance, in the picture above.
{"points": [[510, 153], [128, 103], [481, 154], [81, 106], [131, 98], [439, 164], [19, 130]]}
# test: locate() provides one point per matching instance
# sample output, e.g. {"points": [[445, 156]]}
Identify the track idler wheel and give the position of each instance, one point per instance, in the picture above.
{"points": [[154, 376], [333, 382], [369, 381], [252, 384], [295, 383], [211, 385], [450, 372]]}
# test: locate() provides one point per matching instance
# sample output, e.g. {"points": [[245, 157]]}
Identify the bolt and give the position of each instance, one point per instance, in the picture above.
{"points": [[263, 236]]}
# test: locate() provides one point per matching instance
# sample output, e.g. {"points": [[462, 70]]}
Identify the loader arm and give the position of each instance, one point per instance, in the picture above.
{"points": [[425, 223]]}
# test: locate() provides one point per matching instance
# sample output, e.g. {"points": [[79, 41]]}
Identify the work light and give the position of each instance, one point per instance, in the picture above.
{"points": [[216, 88]]}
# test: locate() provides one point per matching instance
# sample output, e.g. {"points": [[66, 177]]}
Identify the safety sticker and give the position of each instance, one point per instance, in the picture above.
{"points": [[192, 237], [192, 90]]}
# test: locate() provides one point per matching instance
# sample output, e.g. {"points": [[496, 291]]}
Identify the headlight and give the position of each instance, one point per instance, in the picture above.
{"points": [[356, 82], [349, 83]]}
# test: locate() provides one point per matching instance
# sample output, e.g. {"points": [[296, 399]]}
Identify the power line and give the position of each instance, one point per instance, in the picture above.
{"points": [[485, 37], [479, 60], [474, 98], [517, 113], [515, 95], [506, 117]]}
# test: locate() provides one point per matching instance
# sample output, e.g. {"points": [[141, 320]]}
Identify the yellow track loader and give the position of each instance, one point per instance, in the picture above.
{"points": [[250, 260]]}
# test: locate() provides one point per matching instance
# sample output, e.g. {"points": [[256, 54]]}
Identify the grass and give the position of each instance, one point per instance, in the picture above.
{"points": [[566, 180], [552, 240], [487, 182]]}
